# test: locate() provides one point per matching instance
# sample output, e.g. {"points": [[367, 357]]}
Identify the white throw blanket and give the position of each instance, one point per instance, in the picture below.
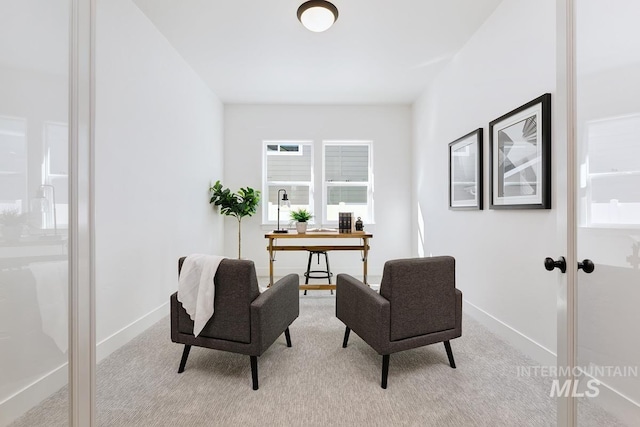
{"points": [[196, 289]]}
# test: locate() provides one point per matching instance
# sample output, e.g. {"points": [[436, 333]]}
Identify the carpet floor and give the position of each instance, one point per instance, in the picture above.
{"points": [[316, 383]]}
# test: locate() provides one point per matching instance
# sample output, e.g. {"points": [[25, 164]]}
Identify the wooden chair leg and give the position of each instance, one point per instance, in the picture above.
{"points": [[183, 361], [306, 275], [254, 371], [288, 337], [326, 261], [385, 370], [346, 337], [447, 346]]}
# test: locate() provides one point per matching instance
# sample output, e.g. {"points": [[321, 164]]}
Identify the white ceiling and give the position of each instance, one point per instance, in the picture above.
{"points": [[256, 51]]}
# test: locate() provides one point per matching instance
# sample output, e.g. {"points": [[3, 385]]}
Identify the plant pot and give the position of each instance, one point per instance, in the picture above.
{"points": [[301, 227]]}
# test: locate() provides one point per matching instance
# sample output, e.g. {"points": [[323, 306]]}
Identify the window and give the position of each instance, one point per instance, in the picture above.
{"points": [[288, 166], [347, 180], [279, 149]]}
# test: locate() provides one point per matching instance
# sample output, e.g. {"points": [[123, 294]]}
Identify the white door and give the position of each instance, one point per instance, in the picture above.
{"points": [[607, 191]]}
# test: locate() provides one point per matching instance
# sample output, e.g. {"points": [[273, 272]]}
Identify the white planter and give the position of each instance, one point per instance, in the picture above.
{"points": [[301, 227]]}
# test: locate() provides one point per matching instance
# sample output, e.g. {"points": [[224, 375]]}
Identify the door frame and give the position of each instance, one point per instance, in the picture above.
{"points": [[82, 342], [82, 358], [565, 131]]}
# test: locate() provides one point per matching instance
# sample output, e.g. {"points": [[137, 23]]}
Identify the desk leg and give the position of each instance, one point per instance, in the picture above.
{"points": [[270, 262], [364, 260]]}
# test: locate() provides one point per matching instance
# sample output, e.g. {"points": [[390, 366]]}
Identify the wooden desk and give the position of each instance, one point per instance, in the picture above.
{"points": [[292, 237]]}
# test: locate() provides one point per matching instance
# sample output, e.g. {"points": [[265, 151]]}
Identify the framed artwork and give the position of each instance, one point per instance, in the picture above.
{"points": [[465, 171], [520, 157]]}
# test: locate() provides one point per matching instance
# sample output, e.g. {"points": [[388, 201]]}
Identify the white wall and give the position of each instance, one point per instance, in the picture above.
{"points": [[389, 127], [158, 146], [508, 62]]}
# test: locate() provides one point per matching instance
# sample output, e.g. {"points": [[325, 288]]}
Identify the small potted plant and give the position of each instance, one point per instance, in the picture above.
{"points": [[301, 216]]}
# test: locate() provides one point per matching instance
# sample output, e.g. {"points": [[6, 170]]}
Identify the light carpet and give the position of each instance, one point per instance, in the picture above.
{"points": [[316, 383]]}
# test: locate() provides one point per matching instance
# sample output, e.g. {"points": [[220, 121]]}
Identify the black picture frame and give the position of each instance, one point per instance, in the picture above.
{"points": [[465, 172], [520, 157]]}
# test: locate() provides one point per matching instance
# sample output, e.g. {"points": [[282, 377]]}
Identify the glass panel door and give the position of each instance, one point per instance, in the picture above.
{"points": [[608, 191], [34, 104]]}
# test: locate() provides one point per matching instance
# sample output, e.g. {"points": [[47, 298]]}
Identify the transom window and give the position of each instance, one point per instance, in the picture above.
{"points": [[280, 149]]}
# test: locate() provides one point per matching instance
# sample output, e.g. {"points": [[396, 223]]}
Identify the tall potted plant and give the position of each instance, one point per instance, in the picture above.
{"points": [[241, 204]]}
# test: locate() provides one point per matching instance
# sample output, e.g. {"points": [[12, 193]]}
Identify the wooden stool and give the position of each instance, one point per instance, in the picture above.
{"points": [[318, 274]]}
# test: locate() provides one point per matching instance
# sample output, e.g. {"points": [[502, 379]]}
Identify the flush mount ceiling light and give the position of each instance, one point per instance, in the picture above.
{"points": [[317, 15]]}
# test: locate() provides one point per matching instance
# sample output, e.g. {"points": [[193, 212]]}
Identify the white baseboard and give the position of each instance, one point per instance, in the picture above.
{"points": [[15, 406], [526, 345], [30, 396], [129, 332], [611, 400]]}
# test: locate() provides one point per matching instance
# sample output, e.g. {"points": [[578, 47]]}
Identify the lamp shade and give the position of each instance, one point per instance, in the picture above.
{"points": [[317, 15]]}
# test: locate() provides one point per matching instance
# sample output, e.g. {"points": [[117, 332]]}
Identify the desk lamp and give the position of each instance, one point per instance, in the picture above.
{"points": [[285, 198]]}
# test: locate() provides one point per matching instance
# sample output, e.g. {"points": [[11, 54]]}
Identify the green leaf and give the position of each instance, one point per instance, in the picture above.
{"points": [[244, 203], [301, 215]]}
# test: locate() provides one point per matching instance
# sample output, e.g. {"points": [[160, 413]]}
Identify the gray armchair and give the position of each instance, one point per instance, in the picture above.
{"points": [[244, 320], [418, 305]]}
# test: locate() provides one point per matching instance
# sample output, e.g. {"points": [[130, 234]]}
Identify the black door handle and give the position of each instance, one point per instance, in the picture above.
{"points": [[550, 264], [587, 266]]}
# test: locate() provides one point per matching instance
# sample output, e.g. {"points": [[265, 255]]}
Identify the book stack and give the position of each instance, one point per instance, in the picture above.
{"points": [[345, 222]]}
